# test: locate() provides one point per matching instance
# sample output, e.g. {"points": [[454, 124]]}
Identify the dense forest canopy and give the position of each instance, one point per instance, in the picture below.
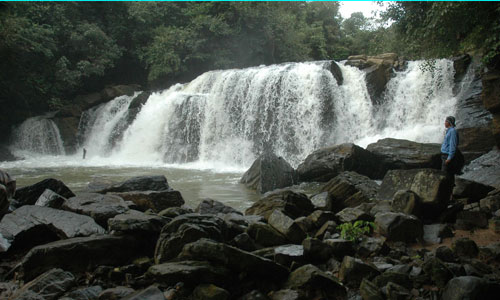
{"points": [[52, 51]]}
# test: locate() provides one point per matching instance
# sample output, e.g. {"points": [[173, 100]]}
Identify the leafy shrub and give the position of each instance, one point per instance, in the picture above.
{"points": [[354, 232]]}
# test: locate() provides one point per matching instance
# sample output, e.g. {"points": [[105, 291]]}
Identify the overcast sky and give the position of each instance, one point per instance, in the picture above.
{"points": [[366, 7]]}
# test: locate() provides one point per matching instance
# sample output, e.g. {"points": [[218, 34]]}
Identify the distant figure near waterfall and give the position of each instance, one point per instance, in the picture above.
{"points": [[7, 191], [84, 153], [452, 158]]}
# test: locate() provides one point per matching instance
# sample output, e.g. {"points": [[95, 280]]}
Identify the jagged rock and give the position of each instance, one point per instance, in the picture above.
{"points": [[290, 203], [189, 272], [286, 226], [150, 293], [50, 199], [311, 282], [326, 230], [403, 154], [485, 169], [140, 100], [372, 246], [320, 200], [185, 229], [399, 227], [445, 254], [407, 202], [135, 184], [209, 292], [468, 219], [213, 207], [434, 233], [237, 223], [320, 217], [349, 189], [49, 285], [154, 200], [491, 201], [269, 172], [86, 293], [461, 64], [337, 73], [97, 206], [353, 214], [28, 195], [396, 291], [340, 247], [317, 250], [286, 255], [369, 291], [353, 270], [437, 271], [465, 247], [305, 224], [136, 221], [31, 225], [67, 121], [114, 293], [233, 258], [81, 253], [173, 212], [473, 191], [266, 235], [326, 163], [430, 185], [395, 277], [244, 242], [475, 141], [470, 287]]}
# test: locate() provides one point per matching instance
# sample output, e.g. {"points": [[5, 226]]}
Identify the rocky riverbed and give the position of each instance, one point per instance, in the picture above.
{"points": [[138, 240]]}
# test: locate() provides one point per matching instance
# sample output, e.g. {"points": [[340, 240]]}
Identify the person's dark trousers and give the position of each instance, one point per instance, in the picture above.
{"points": [[450, 175]]}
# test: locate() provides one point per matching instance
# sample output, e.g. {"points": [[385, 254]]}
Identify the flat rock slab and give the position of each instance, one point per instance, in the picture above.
{"points": [[28, 223], [136, 221], [81, 254], [154, 200], [139, 183], [97, 206]]}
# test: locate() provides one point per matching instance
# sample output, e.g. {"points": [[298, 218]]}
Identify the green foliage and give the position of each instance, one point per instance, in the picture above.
{"points": [[354, 232]]}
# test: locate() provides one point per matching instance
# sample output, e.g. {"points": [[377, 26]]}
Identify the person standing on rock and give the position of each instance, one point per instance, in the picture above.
{"points": [[449, 150]]}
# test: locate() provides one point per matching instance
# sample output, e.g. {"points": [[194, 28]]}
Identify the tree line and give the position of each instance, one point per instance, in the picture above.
{"points": [[52, 51]]}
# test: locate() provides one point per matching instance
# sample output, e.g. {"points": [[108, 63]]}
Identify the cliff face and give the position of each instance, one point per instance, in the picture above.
{"points": [[491, 99]]}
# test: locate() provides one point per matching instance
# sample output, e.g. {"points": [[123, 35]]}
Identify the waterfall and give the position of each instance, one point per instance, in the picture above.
{"points": [[37, 135]]}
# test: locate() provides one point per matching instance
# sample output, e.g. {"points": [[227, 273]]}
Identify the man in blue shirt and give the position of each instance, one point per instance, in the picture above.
{"points": [[449, 148]]}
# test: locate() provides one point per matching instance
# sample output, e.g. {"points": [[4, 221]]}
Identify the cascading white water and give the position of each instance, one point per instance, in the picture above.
{"points": [[100, 126], [37, 135]]}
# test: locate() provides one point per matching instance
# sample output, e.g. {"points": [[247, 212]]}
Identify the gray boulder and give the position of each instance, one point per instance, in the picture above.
{"points": [[134, 221], [430, 185], [472, 190], [154, 200], [353, 214], [399, 227], [214, 207], [465, 247], [97, 206], [117, 292], [407, 202], [311, 282], [287, 255], [33, 225], [134, 184], [326, 163], [286, 226], [50, 199], [349, 189], [265, 235], [353, 270], [485, 169], [49, 285], [28, 195], [269, 172], [289, 202], [470, 287]]}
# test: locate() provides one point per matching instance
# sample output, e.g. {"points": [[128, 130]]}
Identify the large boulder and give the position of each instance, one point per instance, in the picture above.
{"points": [[286, 226], [154, 200], [399, 227], [210, 206], [269, 172], [289, 202], [430, 185], [48, 286], [134, 184], [82, 254], [473, 191], [475, 141], [349, 189], [134, 222], [312, 283], [326, 163], [97, 206], [28, 195], [470, 287], [30, 225], [485, 169], [353, 270], [404, 154]]}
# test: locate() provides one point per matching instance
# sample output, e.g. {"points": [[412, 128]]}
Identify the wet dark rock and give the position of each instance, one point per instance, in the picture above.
{"points": [[399, 227], [86, 293], [491, 201], [467, 220], [407, 202], [326, 163], [286, 294], [134, 221], [403, 154], [111, 92], [337, 73], [340, 248], [28, 195], [115, 293], [316, 250], [97, 206], [477, 140], [320, 217], [461, 64], [349, 189], [173, 212], [209, 292], [50, 199], [429, 184], [327, 229], [269, 172], [353, 270], [140, 100], [395, 277], [213, 207], [150, 293], [286, 226], [286, 255], [473, 191], [185, 229], [81, 254], [135, 184], [311, 282], [154, 200], [485, 169], [31, 225], [237, 223], [470, 287], [290, 203], [369, 291], [244, 242], [233, 258], [266, 235], [445, 254], [465, 247], [353, 214], [437, 271], [49, 285]]}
